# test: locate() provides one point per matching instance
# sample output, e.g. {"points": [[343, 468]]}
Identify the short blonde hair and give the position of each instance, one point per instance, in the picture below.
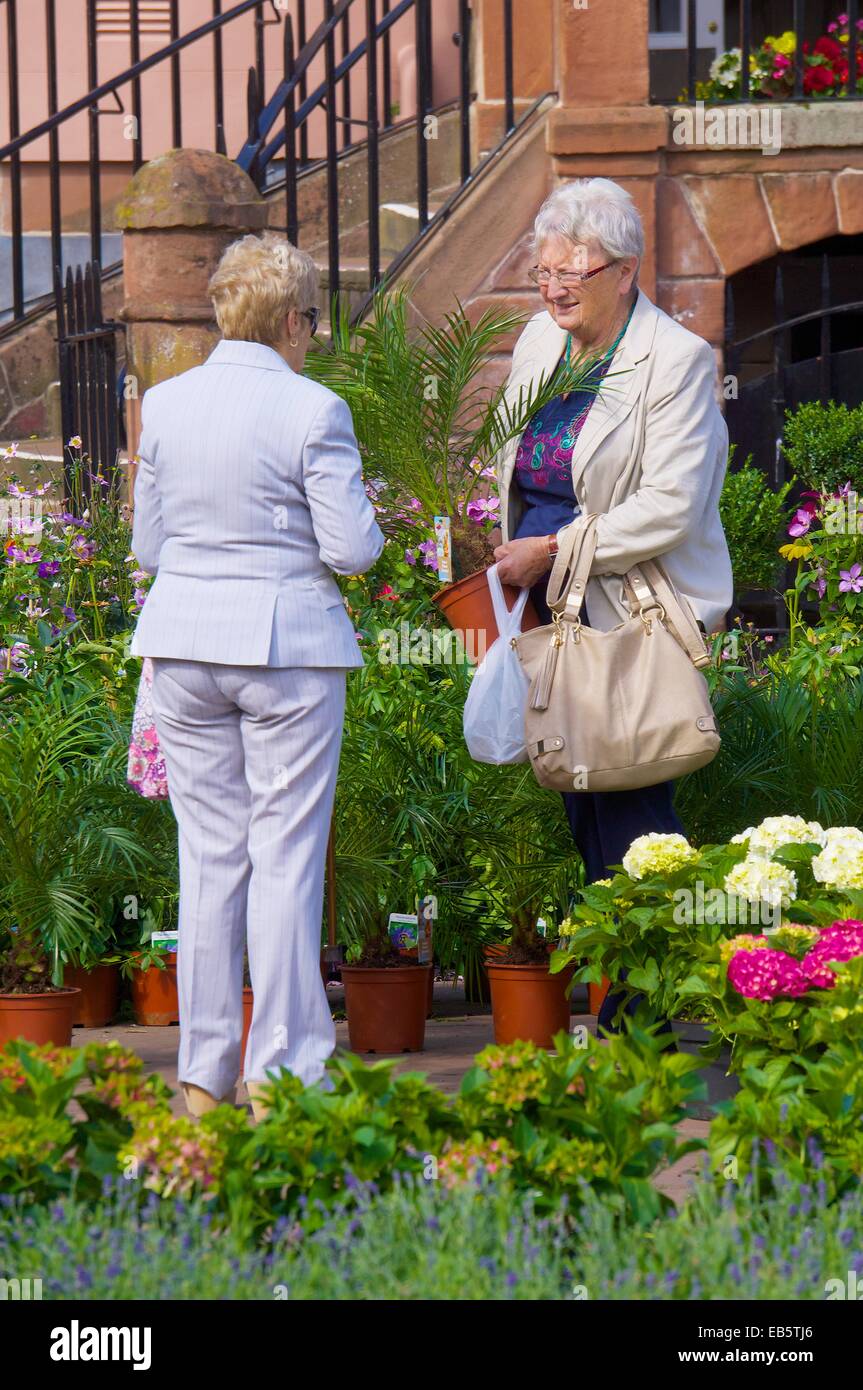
{"points": [[257, 281]]}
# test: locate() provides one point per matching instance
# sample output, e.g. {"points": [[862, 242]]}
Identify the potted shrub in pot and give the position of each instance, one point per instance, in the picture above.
{"points": [[386, 995], [67, 838], [525, 859], [429, 429]]}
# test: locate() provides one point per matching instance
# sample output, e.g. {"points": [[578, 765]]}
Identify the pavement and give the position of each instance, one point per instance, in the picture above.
{"points": [[455, 1033]]}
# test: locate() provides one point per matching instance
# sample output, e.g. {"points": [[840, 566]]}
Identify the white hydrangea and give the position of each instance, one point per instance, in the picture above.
{"points": [[657, 854], [776, 831], [759, 880], [840, 863]]}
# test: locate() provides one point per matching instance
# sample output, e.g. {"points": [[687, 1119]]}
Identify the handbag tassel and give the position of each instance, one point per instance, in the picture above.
{"points": [[539, 699]]}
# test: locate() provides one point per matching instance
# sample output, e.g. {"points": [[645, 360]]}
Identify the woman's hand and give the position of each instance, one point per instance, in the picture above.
{"points": [[523, 562]]}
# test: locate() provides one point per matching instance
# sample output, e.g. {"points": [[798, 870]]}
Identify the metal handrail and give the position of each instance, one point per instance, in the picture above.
{"points": [[291, 102]]}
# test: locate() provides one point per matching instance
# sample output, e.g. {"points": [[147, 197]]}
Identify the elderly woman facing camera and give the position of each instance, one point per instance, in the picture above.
{"points": [[248, 495], [646, 451]]}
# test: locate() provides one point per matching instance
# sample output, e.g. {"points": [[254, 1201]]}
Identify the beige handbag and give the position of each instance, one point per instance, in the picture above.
{"points": [[611, 711]]}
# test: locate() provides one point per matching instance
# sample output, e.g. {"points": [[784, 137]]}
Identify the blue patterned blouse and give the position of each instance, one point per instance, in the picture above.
{"points": [[543, 463]]}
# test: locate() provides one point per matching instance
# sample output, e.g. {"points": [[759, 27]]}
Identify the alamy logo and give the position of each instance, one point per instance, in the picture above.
{"points": [[731, 126], [20, 1289], [76, 1343], [850, 1288]]}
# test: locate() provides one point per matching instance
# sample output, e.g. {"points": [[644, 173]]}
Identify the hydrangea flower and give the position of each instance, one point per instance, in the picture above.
{"points": [[764, 974], [759, 880], [657, 854], [776, 831], [842, 941], [840, 863]]}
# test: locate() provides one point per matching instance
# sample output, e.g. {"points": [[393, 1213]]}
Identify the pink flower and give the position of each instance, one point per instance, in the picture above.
{"points": [[842, 941], [137, 767], [766, 974], [803, 519], [851, 581], [387, 592]]}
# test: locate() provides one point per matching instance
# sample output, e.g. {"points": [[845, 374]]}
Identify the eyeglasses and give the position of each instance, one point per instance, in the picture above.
{"points": [[567, 279], [312, 316]]}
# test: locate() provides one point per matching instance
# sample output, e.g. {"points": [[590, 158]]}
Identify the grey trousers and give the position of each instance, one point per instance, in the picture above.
{"points": [[252, 755]]}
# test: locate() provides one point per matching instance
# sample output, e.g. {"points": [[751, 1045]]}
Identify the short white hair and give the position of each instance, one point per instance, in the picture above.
{"points": [[257, 281], [592, 209]]}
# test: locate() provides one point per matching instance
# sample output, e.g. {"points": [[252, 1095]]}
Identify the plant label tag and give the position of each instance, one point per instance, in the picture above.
{"points": [[167, 940], [443, 538]]}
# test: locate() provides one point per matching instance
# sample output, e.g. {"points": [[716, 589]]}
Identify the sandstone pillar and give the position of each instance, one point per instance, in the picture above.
{"points": [[178, 214]]}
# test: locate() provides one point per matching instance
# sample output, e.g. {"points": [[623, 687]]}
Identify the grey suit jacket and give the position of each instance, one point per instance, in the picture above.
{"points": [[249, 493]]}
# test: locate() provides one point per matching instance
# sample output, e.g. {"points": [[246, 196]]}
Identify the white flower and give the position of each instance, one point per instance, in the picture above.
{"points": [[776, 831], [840, 863], [759, 880], [657, 854]]}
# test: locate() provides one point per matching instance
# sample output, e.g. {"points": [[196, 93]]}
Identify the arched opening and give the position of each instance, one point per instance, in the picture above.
{"points": [[794, 333]]}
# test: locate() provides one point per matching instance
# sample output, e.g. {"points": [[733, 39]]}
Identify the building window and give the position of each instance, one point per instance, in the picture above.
{"points": [[666, 17], [114, 18]]}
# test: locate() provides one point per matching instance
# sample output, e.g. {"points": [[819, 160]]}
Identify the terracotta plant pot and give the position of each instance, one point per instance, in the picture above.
{"points": [[529, 1003], [154, 996], [467, 607], [248, 1000], [100, 988], [39, 1018], [596, 995], [386, 1007]]}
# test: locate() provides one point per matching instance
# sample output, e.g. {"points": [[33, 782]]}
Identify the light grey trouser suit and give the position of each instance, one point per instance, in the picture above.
{"points": [[252, 754]]}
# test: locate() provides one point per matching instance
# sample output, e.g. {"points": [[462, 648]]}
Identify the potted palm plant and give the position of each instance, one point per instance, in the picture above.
{"points": [[67, 841], [429, 429], [525, 862]]}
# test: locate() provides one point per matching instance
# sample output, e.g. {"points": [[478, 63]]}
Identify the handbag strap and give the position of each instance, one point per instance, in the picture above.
{"points": [[567, 582], [647, 588]]}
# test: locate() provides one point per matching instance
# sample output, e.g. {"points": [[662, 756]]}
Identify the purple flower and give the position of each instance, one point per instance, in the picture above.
{"points": [[428, 550], [851, 581], [47, 568], [483, 509], [802, 520], [69, 614], [410, 558], [83, 550]]}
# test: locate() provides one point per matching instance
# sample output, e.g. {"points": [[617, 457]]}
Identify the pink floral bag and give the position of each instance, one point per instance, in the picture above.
{"points": [[146, 768]]}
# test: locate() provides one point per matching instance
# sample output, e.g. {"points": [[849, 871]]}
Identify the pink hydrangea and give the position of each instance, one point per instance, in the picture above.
{"points": [[841, 941], [767, 974]]}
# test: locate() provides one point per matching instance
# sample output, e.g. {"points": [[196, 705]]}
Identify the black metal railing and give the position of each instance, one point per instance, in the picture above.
{"points": [[793, 85], [771, 378], [278, 126], [87, 345]]}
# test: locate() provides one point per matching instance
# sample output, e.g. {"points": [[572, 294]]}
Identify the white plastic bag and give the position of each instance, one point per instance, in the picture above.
{"points": [[496, 702]]}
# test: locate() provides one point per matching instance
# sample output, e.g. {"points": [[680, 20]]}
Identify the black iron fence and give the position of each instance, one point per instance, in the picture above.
{"points": [[686, 36], [89, 396], [278, 124], [771, 378], [276, 152], [777, 368]]}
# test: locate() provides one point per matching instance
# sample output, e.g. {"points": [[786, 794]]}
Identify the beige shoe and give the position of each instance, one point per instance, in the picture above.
{"points": [[200, 1102], [260, 1109]]}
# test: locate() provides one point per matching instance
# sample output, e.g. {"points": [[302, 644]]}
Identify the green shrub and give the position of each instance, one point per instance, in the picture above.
{"points": [[824, 445], [544, 1120], [752, 518]]}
